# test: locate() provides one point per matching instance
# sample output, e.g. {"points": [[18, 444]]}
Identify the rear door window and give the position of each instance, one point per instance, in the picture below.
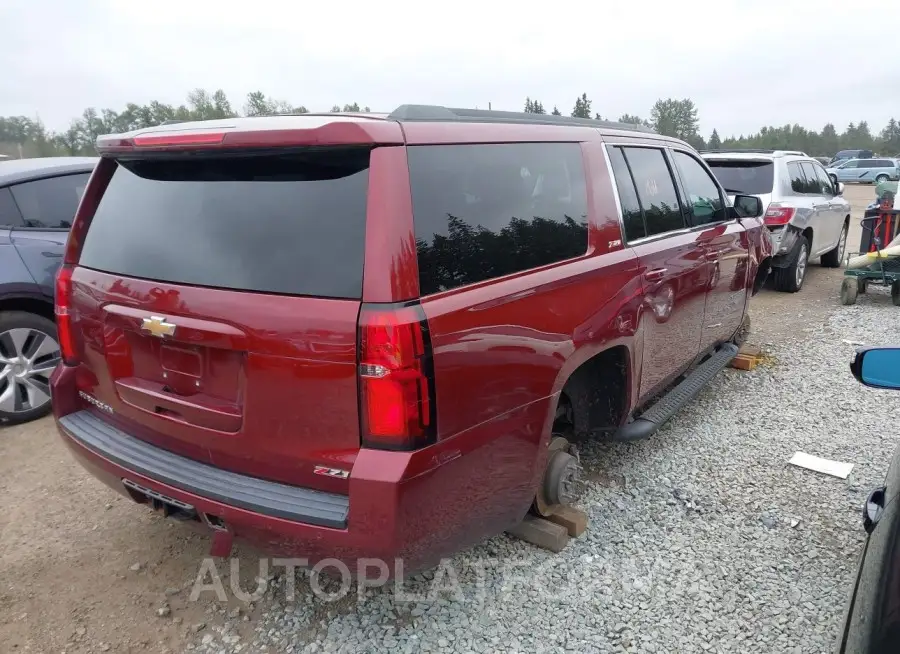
{"points": [[290, 223], [50, 203], [656, 189], [798, 179], [812, 181], [706, 205], [743, 176], [487, 210], [632, 216]]}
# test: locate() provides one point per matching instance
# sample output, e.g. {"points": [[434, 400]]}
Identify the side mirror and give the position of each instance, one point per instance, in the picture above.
{"points": [[840, 188], [878, 367], [748, 206]]}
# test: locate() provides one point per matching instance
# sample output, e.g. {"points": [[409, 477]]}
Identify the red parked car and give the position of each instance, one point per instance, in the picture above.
{"points": [[353, 335]]}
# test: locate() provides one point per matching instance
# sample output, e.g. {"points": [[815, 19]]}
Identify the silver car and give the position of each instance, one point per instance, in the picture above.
{"points": [[805, 213], [865, 170]]}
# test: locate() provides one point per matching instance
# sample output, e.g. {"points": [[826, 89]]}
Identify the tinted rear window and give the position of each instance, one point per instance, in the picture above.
{"points": [[751, 177], [290, 223], [484, 211]]}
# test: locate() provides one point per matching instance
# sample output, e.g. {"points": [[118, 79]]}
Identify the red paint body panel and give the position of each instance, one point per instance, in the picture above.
{"points": [[266, 385], [239, 361]]}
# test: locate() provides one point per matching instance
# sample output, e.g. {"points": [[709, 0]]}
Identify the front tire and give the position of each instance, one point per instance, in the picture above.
{"points": [[790, 278], [835, 257], [29, 352]]}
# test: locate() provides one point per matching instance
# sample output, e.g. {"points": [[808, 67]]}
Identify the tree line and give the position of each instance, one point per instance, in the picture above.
{"points": [[23, 136]]}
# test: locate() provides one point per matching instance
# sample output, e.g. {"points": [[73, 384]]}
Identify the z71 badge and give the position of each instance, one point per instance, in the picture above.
{"points": [[331, 472]]}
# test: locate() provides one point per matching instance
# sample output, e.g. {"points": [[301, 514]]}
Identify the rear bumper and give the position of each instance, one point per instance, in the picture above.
{"points": [[265, 498], [415, 507]]}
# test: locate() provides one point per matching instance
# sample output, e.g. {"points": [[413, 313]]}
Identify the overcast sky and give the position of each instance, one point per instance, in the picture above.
{"points": [[744, 63]]}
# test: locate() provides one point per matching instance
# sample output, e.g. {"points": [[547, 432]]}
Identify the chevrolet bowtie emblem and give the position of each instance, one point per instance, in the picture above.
{"points": [[157, 326]]}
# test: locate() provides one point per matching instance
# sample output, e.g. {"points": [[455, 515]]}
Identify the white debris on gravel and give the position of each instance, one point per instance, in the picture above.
{"points": [[701, 539]]}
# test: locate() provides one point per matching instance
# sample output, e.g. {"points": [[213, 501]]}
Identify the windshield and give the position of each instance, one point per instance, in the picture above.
{"points": [[741, 176]]}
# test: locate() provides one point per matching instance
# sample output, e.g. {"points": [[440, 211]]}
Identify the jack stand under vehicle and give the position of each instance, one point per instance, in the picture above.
{"points": [[552, 519]]}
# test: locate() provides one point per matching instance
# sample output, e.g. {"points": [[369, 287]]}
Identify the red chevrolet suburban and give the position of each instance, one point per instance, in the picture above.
{"points": [[345, 336]]}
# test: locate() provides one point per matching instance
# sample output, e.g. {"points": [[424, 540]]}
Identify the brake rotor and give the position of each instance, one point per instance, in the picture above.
{"points": [[561, 480]]}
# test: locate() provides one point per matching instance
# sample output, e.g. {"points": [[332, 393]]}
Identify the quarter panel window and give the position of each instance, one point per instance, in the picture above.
{"points": [[9, 212], [50, 203], [487, 210]]}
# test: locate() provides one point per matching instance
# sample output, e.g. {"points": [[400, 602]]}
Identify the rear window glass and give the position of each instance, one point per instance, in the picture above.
{"points": [[289, 223], [750, 177], [483, 211]]}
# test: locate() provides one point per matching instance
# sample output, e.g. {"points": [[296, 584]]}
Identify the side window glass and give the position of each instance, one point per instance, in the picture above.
{"points": [[50, 203], [656, 189], [798, 180], [824, 181], [9, 212], [488, 210], [632, 216], [812, 181], [706, 204]]}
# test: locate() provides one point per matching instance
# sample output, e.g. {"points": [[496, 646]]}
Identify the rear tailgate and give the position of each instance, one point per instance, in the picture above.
{"points": [[215, 305]]}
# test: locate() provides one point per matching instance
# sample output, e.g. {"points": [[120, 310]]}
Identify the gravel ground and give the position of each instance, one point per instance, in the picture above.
{"points": [[700, 539]]}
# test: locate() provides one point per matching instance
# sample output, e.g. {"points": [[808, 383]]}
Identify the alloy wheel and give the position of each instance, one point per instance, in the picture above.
{"points": [[28, 357], [801, 265]]}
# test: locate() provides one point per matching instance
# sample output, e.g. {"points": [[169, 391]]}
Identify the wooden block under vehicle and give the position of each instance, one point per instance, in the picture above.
{"points": [[742, 362], [750, 350], [542, 533], [574, 520]]}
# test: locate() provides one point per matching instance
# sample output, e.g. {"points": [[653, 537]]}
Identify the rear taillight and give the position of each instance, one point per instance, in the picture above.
{"points": [[778, 215], [396, 379], [63, 304]]}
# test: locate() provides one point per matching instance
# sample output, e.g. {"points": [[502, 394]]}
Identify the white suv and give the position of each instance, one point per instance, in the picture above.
{"points": [[805, 213]]}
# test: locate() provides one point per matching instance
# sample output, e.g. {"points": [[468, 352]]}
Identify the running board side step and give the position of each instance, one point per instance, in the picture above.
{"points": [[669, 404]]}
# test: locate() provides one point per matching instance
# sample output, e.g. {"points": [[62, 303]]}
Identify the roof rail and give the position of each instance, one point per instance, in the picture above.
{"points": [[758, 151], [173, 121], [436, 113]]}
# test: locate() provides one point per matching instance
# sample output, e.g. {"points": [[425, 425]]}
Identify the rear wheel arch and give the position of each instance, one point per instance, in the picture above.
{"points": [[37, 305], [595, 396]]}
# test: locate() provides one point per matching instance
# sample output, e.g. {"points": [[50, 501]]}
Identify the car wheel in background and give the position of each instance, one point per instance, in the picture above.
{"points": [[29, 351], [835, 257], [790, 278], [881, 178]]}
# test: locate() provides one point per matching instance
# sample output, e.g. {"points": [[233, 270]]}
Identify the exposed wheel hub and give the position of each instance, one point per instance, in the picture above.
{"points": [[562, 481]]}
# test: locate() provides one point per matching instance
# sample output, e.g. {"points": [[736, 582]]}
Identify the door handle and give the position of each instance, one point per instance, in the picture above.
{"points": [[656, 274]]}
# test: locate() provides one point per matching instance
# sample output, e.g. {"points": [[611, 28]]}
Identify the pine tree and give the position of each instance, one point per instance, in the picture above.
{"points": [[582, 107], [715, 143]]}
